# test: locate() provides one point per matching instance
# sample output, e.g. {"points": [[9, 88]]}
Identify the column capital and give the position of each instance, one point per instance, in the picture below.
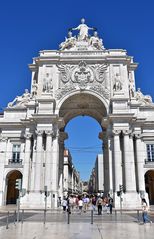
{"points": [[126, 131], [49, 132], [116, 131], [27, 135], [137, 135], [3, 139], [39, 132]]}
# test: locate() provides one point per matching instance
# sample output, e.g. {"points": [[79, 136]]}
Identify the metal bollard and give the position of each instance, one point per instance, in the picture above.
{"points": [[138, 215], [92, 216], [68, 213], [7, 220], [44, 217], [115, 213], [15, 216], [22, 216]]}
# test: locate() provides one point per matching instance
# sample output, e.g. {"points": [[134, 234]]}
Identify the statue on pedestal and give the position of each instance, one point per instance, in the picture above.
{"points": [[83, 30]]}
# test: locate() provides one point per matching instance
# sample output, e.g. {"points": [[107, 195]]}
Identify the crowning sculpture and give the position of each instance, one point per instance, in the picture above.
{"points": [[83, 39]]}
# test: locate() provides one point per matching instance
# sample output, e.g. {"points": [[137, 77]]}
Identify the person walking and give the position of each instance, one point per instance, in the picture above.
{"points": [[99, 205], [145, 211]]}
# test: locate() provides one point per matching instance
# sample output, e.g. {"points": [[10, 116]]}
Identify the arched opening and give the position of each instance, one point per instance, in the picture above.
{"points": [[83, 115], [12, 192], [149, 185], [83, 143]]}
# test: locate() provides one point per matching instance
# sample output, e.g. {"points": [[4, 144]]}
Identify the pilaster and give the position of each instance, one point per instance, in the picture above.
{"points": [[26, 169], [129, 164], [38, 163], [48, 161], [117, 159], [139, 163]]}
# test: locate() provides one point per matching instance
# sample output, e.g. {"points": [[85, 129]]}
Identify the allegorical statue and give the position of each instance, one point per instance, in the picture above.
{"points": [[83, 30], [117, 83], [21, 100], [47, 83], [69, 42], [96, 42]]}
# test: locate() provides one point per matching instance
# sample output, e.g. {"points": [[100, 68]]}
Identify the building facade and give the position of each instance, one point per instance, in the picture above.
{"points": [[81, 78], [96, 182], [72, 183]]}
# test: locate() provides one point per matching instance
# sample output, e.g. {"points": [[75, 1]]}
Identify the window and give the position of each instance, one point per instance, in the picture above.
{"points": [[16, 153], [150, 152]]}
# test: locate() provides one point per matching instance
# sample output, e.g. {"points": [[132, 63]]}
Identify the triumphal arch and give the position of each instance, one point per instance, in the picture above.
{"points": [[81, 78]]}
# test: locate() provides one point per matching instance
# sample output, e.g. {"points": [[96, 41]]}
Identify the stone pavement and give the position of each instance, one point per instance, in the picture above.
{"points": [[106, 230]]}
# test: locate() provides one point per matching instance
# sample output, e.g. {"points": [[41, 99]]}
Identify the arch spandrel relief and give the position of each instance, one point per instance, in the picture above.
{"points": [[82, 77]]}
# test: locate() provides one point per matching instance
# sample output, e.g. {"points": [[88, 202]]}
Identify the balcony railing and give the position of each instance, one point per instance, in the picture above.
{"points": [[148, 161], [15, 161]]}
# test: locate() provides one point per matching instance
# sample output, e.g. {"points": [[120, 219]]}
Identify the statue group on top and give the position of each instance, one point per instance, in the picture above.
{"points": [[71, 41]]}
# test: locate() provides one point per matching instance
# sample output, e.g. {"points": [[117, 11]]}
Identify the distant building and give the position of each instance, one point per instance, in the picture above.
{"points": [[71, 177], [96, 182]]}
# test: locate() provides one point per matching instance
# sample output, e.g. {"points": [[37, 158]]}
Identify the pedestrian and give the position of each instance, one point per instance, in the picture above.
{"points": [[80, 203], [110, 203], [64, 204], [99, 205], [145, 211]]}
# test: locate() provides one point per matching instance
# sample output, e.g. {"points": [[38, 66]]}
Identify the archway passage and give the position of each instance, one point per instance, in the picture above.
{"points": [[82, 104], [149, 185], [12, 192], [91, 106]]}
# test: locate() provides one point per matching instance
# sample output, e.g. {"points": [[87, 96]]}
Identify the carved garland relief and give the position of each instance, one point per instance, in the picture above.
{"points": [[82, 76]]}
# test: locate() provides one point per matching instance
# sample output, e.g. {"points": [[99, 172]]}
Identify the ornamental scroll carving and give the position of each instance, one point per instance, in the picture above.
{"points": [[82, 76]]}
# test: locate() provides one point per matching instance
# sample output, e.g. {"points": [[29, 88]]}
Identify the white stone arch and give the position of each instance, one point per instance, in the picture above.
{"points": [[104, 100], [9, 171], [100, 105], [77, 103]]}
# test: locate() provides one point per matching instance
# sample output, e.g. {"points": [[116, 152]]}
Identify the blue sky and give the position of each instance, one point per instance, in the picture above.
{"points": [[29, 26]]}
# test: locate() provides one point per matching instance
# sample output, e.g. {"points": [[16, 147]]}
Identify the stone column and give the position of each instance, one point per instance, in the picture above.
{"points": [[48, 159], [3, 148], [55, 168], [38, 163], [110, 148], [117, 160], [129, 164], [26, 170], [62, 137], [140, 163]]}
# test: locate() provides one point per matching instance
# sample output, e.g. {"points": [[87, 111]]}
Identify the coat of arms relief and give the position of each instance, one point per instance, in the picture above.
{"points": [[82, 76]]}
